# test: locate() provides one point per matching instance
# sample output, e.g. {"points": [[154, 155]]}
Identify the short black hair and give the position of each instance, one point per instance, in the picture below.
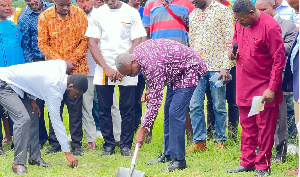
{"points": [[243, 6], [79, 81]]}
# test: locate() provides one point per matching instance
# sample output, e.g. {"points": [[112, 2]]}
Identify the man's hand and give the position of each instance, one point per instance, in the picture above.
{"points": [[140, 136], [111, 73], [145, 97], [231, 56], [70, 66], [268, 96], [225, 75], [34, 107], [73, 161], [119, 76]]}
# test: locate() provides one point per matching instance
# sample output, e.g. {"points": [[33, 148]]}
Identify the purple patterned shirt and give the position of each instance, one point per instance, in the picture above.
{"points": [[164, 60]]}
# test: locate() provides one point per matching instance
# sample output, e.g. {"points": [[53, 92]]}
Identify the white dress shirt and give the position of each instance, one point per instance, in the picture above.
{"points": [[46, 80]]}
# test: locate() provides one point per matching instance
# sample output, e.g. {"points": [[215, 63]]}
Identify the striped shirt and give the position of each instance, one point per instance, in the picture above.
{"points": [[162, 24]]}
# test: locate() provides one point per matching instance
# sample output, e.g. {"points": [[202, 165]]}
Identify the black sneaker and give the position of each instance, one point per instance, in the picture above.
{"points": [[177, 165], [108, 151], [39, 161], [262, 173], [2, 152], [162, 158], [125, 151], [53, 150], [77, 151]]}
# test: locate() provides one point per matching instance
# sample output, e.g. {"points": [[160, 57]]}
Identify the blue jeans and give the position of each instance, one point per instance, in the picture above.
{"points": [[176, 106], [219, 108]]}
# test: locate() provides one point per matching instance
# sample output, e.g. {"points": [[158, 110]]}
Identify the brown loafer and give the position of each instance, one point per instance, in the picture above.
{"points": [[199, 146], [21, 169]]}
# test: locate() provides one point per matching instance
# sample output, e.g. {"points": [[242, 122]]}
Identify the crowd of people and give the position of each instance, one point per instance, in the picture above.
{"points": [[56, 53]]}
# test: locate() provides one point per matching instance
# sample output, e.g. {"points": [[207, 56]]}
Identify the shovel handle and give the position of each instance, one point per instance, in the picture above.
{"points": [[136, 150]]}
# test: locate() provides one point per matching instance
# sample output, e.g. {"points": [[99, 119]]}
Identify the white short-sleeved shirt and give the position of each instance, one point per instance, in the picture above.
{"points": [[116, 28]]}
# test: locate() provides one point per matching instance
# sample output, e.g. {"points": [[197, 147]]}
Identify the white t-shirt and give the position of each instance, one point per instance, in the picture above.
{"points": [[46, 80], [90, 60], [116, 28]]}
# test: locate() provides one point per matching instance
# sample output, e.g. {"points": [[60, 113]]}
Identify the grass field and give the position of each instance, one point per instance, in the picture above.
{"points": [[203, 164]]}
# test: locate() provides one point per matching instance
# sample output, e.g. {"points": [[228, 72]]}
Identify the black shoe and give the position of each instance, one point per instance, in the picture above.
{"points": [[77, 151], [108, 151], [125, 151], [53, 150], [262, 173], [240, 169], [177, 165], [39, 161], [21, 169], [161, 158], [2, 152]]}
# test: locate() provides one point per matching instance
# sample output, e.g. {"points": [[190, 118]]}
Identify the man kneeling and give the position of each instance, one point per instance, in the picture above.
{"points": [[161, 61], [47, 81]]}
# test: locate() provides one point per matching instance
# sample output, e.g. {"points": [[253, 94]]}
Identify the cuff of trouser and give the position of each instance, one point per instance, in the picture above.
{"points": [[247, 165]]}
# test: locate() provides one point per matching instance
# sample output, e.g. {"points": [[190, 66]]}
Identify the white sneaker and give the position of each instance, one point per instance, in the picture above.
{"points": [[292, 149], [99, 134]]}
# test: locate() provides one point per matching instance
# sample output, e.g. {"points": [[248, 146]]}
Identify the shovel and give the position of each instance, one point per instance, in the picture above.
{"points": [[131, 172]]}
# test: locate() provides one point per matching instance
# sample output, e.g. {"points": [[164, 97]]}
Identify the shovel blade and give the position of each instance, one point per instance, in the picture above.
{"points": [[124, 172]]}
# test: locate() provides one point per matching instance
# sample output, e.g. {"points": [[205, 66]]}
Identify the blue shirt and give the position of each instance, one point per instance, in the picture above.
{"points": [[11, 52], [141, 11], [28, 26], [287, 13]]}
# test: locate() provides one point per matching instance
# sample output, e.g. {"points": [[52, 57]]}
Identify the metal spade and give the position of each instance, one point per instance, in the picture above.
{"points": [[131, 172]]}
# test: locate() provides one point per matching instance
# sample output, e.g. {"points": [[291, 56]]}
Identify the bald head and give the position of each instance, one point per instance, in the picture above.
{"points": [[266, 6]]}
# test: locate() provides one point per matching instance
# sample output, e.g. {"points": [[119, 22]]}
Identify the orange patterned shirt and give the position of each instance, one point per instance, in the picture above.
{"points": [[60, 38]]}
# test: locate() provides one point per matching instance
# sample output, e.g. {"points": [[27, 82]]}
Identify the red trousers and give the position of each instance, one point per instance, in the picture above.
{"points": [[258, 130]]}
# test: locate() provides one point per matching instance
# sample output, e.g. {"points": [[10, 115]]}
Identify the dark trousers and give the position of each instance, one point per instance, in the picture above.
{"points": [[105, 101], [233, 109], [137, 102], [281, 132], [176, 106], [95, 111], [75, 122], [43, 136]]}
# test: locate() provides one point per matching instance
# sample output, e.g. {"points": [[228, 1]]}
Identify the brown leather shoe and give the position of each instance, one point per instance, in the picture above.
{"points": [[220, 146], [199, 146], [91, 145], [293, 172]]}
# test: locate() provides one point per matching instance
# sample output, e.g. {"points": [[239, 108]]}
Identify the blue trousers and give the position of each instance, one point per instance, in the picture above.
{"points": [[219, 107], [176, 106]]}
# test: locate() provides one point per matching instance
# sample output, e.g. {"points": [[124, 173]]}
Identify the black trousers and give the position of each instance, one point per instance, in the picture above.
{"points": [[43, 136], [126, 105], [137, 102], [75, 122], [233, 109]]}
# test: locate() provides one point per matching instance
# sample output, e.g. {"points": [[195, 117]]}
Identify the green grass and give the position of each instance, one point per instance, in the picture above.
{"points": [[203, 164]]}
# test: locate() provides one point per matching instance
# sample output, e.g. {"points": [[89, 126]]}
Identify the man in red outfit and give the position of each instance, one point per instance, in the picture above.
{"points": [[260, 62]]}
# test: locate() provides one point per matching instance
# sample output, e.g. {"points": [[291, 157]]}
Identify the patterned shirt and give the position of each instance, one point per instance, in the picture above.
{"points": [[162, 24], [60, 38], [164, 60], [211, 33], [28, 24]]}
